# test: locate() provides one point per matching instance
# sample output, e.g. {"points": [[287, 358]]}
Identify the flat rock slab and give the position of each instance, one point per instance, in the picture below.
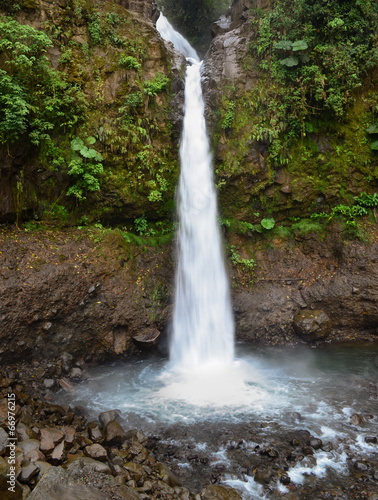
{"points": [[57, 485]]}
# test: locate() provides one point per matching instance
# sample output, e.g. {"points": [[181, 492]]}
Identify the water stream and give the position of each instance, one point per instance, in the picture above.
{"points": [[202, 320]]}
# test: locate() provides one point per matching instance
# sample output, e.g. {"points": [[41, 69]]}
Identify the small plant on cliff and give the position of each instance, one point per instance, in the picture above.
{"points": [[142, 227], [229, 115], [85, 167], [158, 84], [268, 223], [247, 264], [129, 62], [95, 29]]}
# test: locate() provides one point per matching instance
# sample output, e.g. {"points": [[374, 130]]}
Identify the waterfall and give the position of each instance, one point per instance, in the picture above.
{"points": [[202, 320], [180, 43]]}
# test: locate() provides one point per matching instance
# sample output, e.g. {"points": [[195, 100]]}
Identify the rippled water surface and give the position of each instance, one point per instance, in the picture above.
{"points": [[322, 384], [279, 390]]}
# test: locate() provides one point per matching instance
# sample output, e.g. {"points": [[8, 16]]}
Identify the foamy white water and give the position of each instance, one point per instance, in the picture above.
{"points": [[202, 322], [167, 32], [203, 329]]}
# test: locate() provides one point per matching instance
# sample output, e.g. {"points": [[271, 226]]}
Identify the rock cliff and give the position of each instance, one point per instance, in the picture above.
{"points": [[93, 277]]}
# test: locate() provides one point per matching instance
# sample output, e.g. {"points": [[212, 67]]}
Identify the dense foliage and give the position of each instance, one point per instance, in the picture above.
{"points": [[35, 99], [193, 18], [316, 54], [86, 142]]}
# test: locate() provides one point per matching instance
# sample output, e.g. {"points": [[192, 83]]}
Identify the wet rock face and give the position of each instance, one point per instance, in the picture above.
{"points": [[312, 325], [146, 8], [342, 282]]}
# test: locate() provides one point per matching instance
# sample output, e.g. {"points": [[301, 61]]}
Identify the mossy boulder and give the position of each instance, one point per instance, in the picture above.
{"points": [[312, 325]]}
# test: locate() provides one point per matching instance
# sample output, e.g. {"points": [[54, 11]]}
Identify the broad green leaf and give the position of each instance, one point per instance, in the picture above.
{"points": [[373, 129], [375, 146], [91, 140], [289, 61], [300, 45], [268, 223], [77, 144], [283, 45]]}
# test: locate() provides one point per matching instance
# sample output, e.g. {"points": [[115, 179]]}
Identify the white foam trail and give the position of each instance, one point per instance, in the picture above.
{"points": [[203, 330], [167, 32]]}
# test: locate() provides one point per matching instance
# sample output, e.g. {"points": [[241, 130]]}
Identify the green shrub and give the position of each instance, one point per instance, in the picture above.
{"points": [[129, 62], [85, 167], [35, 99], [156, 85]]}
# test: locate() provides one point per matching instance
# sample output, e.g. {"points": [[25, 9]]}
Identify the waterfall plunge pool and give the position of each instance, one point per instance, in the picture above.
{"points": [[219, 421]]}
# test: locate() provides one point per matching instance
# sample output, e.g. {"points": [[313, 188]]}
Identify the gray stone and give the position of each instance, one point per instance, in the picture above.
{"points": [[29, 445], [106, 416], [361, 466], [357, 420], [327, 447], [58, 454], [43, 467], [316, 443], [69, 434], [114, 434], [76, 372], [5, 494], [24, 432], [126, 493], [67, 360], [50, 438], [96, 451], [217, 492], [88, 464], [49, 383], [56, 484], [312, 325], [147, 338], [34, 455], [3, 440], [64, 384], [137, 472], [27, 473], [167, 475], [263, 475], [96, 434]]}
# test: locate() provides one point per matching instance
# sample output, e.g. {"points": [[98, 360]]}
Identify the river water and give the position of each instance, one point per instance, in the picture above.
{"points": [[264, 399]]}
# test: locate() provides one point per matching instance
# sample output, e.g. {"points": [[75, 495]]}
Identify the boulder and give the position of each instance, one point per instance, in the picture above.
{"points": [[312, 325], [87, 464], [28, 445], [50, 438], [5, 494], [56, 484], [114, 434], [148, 338], [58, 454], [96, 451], [106, 416], [27, 473], [96, 434], [217, 492]]}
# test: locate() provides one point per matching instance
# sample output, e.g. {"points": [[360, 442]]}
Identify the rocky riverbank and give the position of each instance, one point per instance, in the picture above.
{"points": [[48, 451], [51, 450]]}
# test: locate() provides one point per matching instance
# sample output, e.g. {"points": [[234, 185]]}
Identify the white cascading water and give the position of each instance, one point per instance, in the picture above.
{"points": [[167, 32], [202, 321]]}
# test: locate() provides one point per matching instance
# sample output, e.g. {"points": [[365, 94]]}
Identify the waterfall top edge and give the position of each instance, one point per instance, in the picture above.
{"points": [[193, 62]]}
